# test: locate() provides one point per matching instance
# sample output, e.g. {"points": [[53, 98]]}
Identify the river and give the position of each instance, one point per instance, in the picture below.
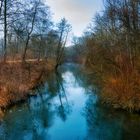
{"points": [[67, 108]]}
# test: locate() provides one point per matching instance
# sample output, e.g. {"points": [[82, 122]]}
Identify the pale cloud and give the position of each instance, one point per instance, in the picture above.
{"points": [[78, 12]]}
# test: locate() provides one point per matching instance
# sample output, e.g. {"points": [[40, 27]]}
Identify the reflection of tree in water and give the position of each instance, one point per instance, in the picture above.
{"points": [[27, 122], [56, 89], [42, 118], [36, 117], [52, 84], [106, 124], [101, 125], [82, 78], [64, 109]]}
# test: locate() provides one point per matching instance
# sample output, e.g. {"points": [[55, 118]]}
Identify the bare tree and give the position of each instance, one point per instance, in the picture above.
{"points": [[1, 5], [30, 29], [5, 29], [63, 28]]}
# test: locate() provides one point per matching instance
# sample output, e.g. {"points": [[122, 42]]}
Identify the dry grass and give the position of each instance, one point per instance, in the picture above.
{"points": [[16, 80], [119, 79], [122, 90]]}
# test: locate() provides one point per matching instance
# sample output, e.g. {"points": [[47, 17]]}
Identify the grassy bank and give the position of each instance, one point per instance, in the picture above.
{"points": [[119, 80], [122, 90], [17, 80], [111, 46]]}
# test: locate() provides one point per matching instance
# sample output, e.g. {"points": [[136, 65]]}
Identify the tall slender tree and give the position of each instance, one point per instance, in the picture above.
{"points": [[63, 29], [5, 30]]}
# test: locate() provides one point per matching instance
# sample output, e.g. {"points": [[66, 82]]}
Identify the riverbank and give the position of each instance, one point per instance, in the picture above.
{"points": [[67, 104], [18, 80], [121, 90]]}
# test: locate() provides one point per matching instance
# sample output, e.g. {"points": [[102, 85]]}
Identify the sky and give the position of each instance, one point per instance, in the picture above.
{"points": [[79, 13]]}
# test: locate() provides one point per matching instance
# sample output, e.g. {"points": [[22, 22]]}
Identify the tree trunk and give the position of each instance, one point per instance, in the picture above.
{"points": [[25, 50], [5, 31], [29, 34]]}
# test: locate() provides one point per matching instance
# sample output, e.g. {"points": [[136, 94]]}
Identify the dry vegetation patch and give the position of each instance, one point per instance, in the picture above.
{"points": [[17, 80]]}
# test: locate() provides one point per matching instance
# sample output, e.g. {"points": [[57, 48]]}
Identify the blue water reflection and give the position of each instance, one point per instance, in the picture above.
{"points": [[67, 108]]}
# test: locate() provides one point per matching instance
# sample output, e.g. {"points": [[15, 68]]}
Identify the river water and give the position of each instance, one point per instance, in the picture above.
{"points": [[66, 108]]}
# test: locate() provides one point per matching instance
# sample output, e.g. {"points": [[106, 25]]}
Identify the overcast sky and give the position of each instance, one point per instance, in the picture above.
{"points": [[78, 12]]}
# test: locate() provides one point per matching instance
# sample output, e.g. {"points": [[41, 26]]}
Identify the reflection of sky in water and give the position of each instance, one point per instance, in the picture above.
{"points": [[75, 125], [72, 113]]}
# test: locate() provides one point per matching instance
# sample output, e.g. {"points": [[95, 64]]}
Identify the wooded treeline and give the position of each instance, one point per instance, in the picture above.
{"points": [[111, 48], [27, 31], [31, 46]]}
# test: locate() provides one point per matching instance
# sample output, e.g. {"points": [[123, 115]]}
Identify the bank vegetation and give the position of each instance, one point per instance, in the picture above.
{"points": [[31, 46], [111, 49]]}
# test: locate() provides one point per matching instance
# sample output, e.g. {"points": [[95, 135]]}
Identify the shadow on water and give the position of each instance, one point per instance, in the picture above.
{"points": [[67, 108]]}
